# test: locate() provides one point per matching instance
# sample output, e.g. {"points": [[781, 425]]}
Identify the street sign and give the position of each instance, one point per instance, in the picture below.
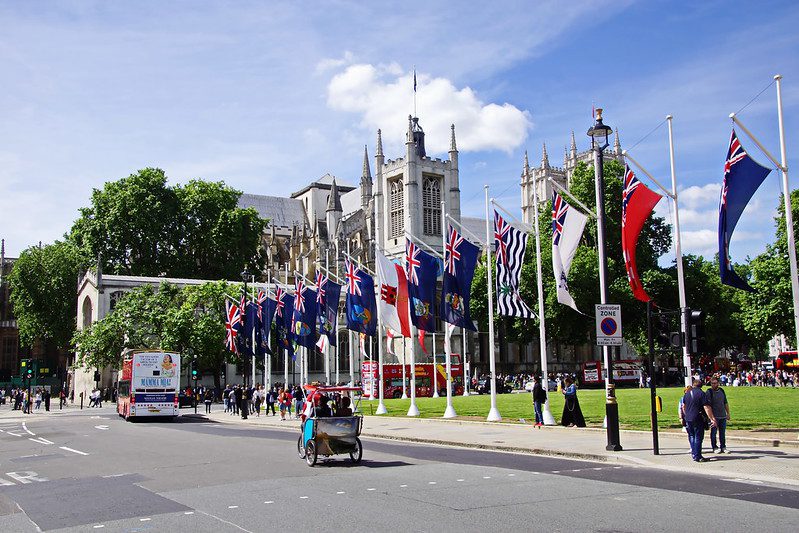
{"points": [[608, 325]]}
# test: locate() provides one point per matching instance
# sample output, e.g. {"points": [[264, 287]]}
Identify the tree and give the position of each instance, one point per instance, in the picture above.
{"points": [[43, 293], [140, 226]]}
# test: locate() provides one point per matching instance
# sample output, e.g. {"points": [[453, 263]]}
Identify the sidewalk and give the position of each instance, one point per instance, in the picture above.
{"points": [[749, 459]]}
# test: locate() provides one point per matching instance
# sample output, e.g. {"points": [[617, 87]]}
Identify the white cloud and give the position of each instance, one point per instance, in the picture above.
{"points": [[383, 96], [334, 63], [699, 196]]}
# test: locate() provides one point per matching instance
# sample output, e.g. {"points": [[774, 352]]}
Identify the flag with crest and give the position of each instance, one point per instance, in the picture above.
{"points": [[742, 177], [509, 245], [567, 229], [393, 302], [360, 301], [284, 313], [460, 260], [421, 269], [303, 323], [232, 323]]}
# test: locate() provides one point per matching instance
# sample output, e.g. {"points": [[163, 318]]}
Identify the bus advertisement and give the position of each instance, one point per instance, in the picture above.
{"points": [[624, 373], [148, 384], [392, 378]]}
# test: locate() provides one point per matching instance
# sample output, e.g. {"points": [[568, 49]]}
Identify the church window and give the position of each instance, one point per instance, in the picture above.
{"points": [[396, 209], [431, 205]]}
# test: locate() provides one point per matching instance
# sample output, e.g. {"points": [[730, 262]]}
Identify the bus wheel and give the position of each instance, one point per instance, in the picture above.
{"points": [[310, 453], [397, 395], [300, 448], [357, 453]]}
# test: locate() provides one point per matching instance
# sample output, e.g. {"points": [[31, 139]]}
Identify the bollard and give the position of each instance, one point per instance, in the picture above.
{"points": [[81, 400]]}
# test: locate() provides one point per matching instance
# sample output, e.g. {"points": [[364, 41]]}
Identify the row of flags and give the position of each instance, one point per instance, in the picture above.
{"points": [[404, 295]]}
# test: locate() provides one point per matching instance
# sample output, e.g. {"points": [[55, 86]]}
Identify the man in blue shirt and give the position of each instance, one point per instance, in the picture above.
{"points": [[693, 404]]}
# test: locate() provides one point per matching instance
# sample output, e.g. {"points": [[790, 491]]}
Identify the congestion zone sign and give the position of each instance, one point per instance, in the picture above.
{"points": [[608, 325]]}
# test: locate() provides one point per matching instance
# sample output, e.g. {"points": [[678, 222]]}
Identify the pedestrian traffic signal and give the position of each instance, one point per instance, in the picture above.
{"points": [[695, 324], [661, 330], [194, 374], [29, 372], [96, 375]]}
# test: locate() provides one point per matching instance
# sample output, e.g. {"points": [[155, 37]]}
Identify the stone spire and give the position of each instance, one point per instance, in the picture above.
{"points": [[544, 157], [333, 214], [333, 201], [366, 180], [526, 171], [379, 152], [573, 150], [565, 157], [452, 146], [617, 145]]}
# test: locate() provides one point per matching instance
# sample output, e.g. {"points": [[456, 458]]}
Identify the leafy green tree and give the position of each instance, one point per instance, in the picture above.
{"points": [[43, 293]]}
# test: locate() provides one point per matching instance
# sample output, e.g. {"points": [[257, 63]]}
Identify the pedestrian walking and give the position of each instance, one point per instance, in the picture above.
{"points": [[226, 398], [271, 396], [539, 398], [694, 403], [572, 414], [235, 398], [245, 405], [46, 398], [717, 399], [38, 398], [209, 399]]}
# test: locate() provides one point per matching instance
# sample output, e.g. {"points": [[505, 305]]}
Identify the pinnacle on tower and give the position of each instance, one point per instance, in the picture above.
{"points": [[526, 166], [573, 152], [409, 135], [565, 157], [617, 144], [379, 144], [452, 146], [366, 174], [545, 158], [334, 202]]}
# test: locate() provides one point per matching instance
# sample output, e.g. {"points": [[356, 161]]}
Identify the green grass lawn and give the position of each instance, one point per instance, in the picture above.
{"points": [[750, 407]]}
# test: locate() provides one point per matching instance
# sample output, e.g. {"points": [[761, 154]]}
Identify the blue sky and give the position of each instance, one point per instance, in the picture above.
{"points": [[271, 95]]}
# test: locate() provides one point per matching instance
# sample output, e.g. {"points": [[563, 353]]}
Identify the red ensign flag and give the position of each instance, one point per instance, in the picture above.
{"points": [[637, 203]]}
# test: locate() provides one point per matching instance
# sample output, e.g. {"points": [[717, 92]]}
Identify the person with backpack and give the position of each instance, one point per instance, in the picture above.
{"points": [[539, 399], [695, 406], [270, 400], [717, 399]]}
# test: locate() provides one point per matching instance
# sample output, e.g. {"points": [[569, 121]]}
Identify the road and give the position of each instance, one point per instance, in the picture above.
{"points": [[88, 470]]}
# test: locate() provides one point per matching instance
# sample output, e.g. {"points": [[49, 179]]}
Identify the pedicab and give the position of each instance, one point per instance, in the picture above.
{"points": [[322, 435]]}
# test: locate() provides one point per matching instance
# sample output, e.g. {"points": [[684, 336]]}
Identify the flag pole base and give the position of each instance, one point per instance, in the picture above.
{"points": [[381, 408], [404, 396], [493, 415], [605, 422], [436, 395], [413, 410], [549, 420], [450, 412]]}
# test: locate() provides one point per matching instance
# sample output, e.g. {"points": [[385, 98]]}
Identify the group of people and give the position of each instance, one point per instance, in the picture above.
{"points": [[26, 400], [572, 414], [700, 410], [760, 378]]}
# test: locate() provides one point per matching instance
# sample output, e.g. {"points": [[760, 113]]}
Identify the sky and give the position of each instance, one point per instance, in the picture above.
{"points": [[269, 96]]}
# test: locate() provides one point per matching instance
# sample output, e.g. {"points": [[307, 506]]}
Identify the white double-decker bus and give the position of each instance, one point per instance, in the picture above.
{"points": [[148, 384]]}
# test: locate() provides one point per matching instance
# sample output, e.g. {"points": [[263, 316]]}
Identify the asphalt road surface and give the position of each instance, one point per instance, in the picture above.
{"points": [[90, 471]]}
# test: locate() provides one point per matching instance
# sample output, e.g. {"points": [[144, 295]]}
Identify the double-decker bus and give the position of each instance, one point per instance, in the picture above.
{"points": [[392, 377], [625, 372], [787, 361], [148, 384]]}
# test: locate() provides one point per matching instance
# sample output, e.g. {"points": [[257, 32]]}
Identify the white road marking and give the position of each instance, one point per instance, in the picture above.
{"points": [[270, 501], [26, 476], [616, 468], [144, 519], [41, 440], [15, 434], [341, 492], [189, 512], [118, 475], [226, 521], [29, 432], [73, 451], [303, 497], [101, 427], [459, 480], [371, 489], [232, 506], [403, 486], [486, 477], [98, 526], [576, 469], [556, 471], [511, 475], [597, 468], [742, 480]]}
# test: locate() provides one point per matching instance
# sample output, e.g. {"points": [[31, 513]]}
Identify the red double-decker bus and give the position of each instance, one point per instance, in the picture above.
{"points": [[392, 377]]}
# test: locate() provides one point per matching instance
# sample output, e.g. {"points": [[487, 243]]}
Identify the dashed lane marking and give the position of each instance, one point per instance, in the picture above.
{"points": [[459, 480], [403, 486], [303, 497], [486, 477], [15, 434], [73, 450], [189, 512], [232, 506], [341, 492], [270, 501], [101, 427], [98, 526], [371, 489], [144, 519], [41, 440], [431, 482]]}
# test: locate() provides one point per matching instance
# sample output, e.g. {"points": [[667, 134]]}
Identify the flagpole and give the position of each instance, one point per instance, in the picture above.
{"points": [[327, 345], [463, 363], [449, 412], [381, 406], [788, 210], [254, 350], [338, 340], [493, 413], [352, 341], [466, 230], [549, 420], [286, 350], [404, 373], [686, 354], [565, 192]]}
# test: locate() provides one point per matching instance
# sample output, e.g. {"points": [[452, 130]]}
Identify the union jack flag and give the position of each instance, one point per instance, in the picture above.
{"points": [[631, 183], [451, 252], [279, 294], [232, 321], [299, 297], [261, 299], [559, 209], [321, 281], [353, 278], [735, 154], [412, 262], [501, 229]]}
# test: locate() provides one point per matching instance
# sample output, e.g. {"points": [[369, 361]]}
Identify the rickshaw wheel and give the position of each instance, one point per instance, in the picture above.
{"points": [[357, 453], [300, 448], [310, 453]]}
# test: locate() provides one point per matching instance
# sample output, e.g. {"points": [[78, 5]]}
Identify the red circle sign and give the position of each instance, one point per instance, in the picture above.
{"points": [[608, 326]]}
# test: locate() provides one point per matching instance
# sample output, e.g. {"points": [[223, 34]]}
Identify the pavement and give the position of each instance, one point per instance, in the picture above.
{"points": [[751, 458]]}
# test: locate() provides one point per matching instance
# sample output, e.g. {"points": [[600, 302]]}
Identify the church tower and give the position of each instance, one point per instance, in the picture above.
{"points": [[409, 192]]}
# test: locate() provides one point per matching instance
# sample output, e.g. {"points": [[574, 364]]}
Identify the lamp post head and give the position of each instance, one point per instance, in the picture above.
{"points": [[245, 275], [599, 132]]}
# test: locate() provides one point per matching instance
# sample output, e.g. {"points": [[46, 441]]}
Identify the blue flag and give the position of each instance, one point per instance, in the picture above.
{"points": [[460, 260], [421, 270], [268, 307], [360, 302], [303, 323], [329, 318], [250, 326], [284, 313], [742, 177]]}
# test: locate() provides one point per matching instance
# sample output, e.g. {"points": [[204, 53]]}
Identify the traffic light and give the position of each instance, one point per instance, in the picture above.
{"points": [[195, 375], [695, 323], [97, 376], [29, 372], [661, 331]]}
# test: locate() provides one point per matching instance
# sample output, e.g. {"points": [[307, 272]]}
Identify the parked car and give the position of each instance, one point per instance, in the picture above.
{"points": [[484, 387]]}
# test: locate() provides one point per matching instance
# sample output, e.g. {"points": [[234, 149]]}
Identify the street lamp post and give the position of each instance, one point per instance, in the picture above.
{"points": [[599, 134], [245, 275]]}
